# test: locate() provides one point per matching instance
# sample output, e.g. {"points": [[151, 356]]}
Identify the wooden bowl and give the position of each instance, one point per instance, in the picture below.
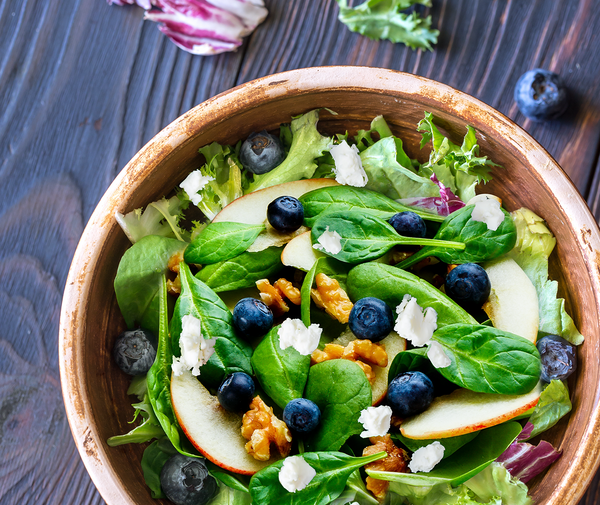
{"points": [[95, 390]]}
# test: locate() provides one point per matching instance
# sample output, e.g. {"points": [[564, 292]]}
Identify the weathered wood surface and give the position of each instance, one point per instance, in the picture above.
{"points": [[84, 85]]}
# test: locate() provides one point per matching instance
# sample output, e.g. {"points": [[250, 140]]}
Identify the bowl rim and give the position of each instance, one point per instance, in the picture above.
{"points": [[215, 110]]}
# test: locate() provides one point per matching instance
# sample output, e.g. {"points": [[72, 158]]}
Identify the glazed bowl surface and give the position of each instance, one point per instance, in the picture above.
{"points": [[94, 389]]}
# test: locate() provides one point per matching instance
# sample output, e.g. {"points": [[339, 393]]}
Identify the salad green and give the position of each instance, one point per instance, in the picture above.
{"points": [[203, 261]]}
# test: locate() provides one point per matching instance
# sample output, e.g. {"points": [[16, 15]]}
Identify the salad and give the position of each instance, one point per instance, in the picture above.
{"points": [[321, 320]]}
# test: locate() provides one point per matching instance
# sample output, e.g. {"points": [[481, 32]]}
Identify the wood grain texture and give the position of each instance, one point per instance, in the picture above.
{"points": [[84, 85]]}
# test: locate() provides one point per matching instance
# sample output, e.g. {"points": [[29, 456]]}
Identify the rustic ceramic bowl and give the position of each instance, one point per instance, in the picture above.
{"points": [[95, 390]]}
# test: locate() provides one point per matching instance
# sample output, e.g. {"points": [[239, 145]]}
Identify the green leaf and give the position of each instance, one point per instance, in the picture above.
{"points": [[487, 360], [451, 444], [221, 241], [344, 198], [341, 391], [242, 271], [365, 237], [154, 458], [466, 462], [149, 429], [234, 481], [231, 353], [382, 19], [140, 274], [228, 496], [333, 470], [495, 482], [554, 404], [282, 373], [305, 297]]}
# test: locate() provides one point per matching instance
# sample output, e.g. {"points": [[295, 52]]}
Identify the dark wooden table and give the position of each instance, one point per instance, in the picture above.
{"points": [[84, 85]]}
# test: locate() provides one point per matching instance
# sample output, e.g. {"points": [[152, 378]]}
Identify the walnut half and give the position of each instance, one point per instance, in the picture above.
{"points": [[261, 427], [331, 297], [396, 461]]}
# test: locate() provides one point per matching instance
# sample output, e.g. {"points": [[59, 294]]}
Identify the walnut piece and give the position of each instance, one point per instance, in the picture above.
{"points": [[174, 286], [273, 295], [261, 427], [331, 297], [396, 461]]}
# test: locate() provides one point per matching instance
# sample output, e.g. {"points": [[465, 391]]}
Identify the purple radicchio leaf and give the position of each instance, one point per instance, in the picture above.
{"points": [[524, 461], [443, 205], [144, 4]]}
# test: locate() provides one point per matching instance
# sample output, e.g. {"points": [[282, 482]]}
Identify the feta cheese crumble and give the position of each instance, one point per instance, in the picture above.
{"points": [[195, 350], [425, 458], [413, 323], [296, 474], [194, 183], [329, 241], [348, 168], [293, 333], [437, 355], [488, 211], [376, 421]]}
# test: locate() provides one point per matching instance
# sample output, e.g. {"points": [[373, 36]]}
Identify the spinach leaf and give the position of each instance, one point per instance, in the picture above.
{"points": [[149, 429], [159, 378], [233, 481], [305, 298], [464, 463], [139, 277], [365, 237], [481, 243], [231, 353], [390, 284], [485, 359], [356, 484], [333, 470], [344, 198], [281, 373], [242, 271], [451, 444], [221, 241], [154, 458], [341, 390], [554, 404], [228, 496]]}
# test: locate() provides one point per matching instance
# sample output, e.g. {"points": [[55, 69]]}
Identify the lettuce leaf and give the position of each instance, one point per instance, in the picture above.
{"points": [[496, 483], [535, 242], [554, 403], [149, 428], [382, 19], [441, 494]]}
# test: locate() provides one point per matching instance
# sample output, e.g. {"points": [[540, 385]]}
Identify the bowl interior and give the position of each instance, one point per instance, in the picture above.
{"points": [[95, 390]]}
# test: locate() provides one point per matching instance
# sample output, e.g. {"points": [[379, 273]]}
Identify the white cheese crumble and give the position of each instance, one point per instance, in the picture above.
{"points": [[348, 165], [437, 355], [296, 474], [194, 183], [376, 421], [293, 333], [413, 323], [425, 458], [329, 241], [488, 211], [483, 196], [195, 350]]}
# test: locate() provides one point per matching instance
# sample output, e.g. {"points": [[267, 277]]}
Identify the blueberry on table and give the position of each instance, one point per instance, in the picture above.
{"points": [[468, 285], [541, 95], [285, 214], [301, 415], [559, 357], [261, 152], [236, 392], [410, 393], [252, 318], [408, 224], [371, 318], [134, 351], [186, 481]]}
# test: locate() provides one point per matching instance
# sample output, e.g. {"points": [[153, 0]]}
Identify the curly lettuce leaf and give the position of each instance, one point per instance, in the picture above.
{"points": [[495, 485], [554, 404], [149, 428], [535, 243], [382, 19]]}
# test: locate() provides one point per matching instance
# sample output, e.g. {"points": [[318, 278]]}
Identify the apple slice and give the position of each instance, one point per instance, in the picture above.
{"points": [[464, 411], [299, 253], [252, 209], [513, 302], [393, 344], [210, 428]]}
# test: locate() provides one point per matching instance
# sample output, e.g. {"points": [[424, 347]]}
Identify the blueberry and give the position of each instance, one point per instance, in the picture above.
{"points": [[468, 285], [410, 393], [252, 318], [408, 224], [261, 152], [371, 319], [134, 351], [285, 214], [541, 95], [301, 415], [186, 481], [559, 357], [236, 392]]}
